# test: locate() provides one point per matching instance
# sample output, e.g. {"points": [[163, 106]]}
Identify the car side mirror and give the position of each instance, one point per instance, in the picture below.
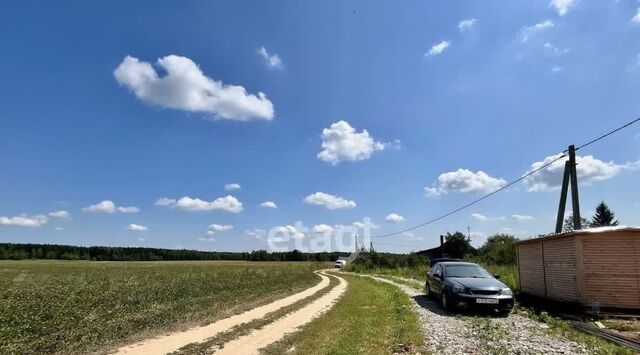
{"points": [[496, 276]]}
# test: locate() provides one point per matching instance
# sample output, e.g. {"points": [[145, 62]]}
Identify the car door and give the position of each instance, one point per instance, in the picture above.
{"points": [[436, 279]]}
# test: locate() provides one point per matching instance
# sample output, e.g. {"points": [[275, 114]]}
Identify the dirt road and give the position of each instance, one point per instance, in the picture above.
{"points": [[174, 341], [252, 342]]}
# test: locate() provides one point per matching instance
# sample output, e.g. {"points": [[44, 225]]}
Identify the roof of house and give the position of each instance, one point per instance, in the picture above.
{"points": [[595, 230]]}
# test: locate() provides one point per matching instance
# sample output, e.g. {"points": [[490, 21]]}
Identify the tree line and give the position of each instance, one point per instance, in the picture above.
{"points": [[101, 253]]}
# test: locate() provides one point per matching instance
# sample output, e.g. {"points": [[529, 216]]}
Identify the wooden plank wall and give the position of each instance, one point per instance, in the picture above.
{"points": [[611, 269], [561, 269], [531, 271]]}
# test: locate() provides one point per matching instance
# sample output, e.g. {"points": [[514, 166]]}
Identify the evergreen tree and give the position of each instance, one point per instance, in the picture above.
{"points": [[604, 216]]}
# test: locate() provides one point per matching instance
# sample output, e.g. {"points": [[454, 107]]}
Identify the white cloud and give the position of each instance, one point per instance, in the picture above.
{"points": [[394, 218], [366, 223], [269, 204], [60, 214], [164, 201], [464, 180], [322, 229], [256, 233], [341, 142], [295, 232], [108, 206], [589, 169], [522, 218], [529, 31], [232, 186], [437, 48], [466, 25], [137, 228], [431, 191], [220, 227], [204, 239], [227, 203], [329, 201], [24, 220], [129, 209], [636, 18], [556, 69], [553, 50], [185, 87], [562, 6], [484, 218], [272, 61], [58, 229]]}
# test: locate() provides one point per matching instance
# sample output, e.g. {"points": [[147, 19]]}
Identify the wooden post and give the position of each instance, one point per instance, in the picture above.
{"points": [[574, 189], [563, 197]]}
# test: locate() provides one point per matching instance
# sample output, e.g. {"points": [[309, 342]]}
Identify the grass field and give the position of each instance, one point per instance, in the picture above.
{"points": [[78, 306], [371, 318]]}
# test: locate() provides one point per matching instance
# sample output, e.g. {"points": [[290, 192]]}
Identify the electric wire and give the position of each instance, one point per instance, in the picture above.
{"points": [[561, 156]]}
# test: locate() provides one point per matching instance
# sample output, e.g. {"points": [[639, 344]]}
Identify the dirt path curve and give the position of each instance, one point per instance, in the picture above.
{"points": [[258, 339], [174, 341], [445, 333]]}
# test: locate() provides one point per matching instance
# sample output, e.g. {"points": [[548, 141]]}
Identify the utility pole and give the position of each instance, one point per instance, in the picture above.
{"points": [[468, 234], [570, 175]]}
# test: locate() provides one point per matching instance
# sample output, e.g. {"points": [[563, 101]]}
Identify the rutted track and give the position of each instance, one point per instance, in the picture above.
{"points": [[258, 339], [172, 342]]}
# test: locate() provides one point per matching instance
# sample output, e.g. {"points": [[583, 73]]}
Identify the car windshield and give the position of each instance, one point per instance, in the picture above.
{"points": [[472, 271]]}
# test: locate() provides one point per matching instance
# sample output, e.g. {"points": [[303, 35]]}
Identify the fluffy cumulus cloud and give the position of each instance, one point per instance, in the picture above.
{"points": [[294, 232], [23, 220], [268, 204], [563, 6], [589, 169], [272, 61], [466, 25], [437, 48], [465, 180], [341, 142], [164, 201], [137, 228], [186, 203], [522, 218], [636, 19], [108, 206], [529, 31], [394, 218], [185, 87], [329, 201], [484, 218], [60, 214], [220, 227], [232, 186]]}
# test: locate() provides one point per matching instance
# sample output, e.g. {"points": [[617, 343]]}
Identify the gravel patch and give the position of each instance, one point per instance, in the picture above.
{"points": [[447, 333]]}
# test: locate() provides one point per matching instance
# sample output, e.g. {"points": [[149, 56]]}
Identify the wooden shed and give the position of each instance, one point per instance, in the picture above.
{"points": [[585, 266]]}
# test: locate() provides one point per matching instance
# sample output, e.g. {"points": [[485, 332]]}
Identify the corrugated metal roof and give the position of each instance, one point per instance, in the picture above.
{"points": [[582, 231]]}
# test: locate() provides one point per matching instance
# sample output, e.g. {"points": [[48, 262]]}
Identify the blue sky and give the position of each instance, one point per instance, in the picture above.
{"points": [[333, 111]]}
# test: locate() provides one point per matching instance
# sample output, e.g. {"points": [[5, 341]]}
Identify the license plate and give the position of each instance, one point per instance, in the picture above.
{"points": [[487, 300]]}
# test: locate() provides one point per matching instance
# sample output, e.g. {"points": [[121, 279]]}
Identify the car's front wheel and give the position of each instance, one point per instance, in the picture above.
{"points": [[445, 301]]}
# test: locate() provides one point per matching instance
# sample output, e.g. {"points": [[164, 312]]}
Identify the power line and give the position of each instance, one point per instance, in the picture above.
{"points": [[505, 186]]}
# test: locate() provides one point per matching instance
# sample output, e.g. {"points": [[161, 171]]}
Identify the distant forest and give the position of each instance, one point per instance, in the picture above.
{"points": [[69, 252]]}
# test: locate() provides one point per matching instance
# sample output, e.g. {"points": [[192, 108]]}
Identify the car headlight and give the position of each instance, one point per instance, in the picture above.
{"points": [[458, 289], [506, 291]]}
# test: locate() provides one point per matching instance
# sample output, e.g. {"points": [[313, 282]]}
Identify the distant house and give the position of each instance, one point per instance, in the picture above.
{"points": [[597, 265]]}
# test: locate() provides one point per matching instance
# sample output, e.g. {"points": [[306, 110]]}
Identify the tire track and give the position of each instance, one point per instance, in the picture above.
{"points": [[174, 341], [258, 339]]}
